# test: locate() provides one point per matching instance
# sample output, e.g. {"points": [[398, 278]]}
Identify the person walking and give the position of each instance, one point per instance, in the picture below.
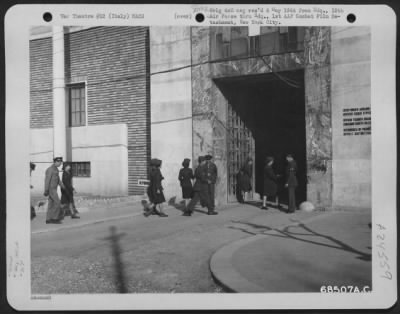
{"points": [[155, 190], [199, 187], [67, 193], [291, 182], [52, 181], [185, 177], [212, 174], [245, 179], [270, 183], [32, 168]]}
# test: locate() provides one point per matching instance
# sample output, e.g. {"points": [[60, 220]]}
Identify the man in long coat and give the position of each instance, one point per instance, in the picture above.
{"points": [[52, 181], [212, 174]]}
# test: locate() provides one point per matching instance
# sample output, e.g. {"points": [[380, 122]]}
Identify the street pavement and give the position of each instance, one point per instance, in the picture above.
{"points": [[116, 249]]}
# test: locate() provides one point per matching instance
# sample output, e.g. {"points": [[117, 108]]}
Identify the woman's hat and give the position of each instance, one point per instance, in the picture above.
{"points": [[157, 162], [269, 159], [33, 166], [185, 162]]}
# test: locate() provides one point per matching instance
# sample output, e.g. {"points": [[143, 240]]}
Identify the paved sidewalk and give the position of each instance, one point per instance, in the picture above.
{"points": [[97, 214], [298, 253]]}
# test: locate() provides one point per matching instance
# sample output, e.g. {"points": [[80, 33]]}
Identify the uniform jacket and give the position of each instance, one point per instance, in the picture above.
{"points": [[52, 180], [201, 178], [185, 177], [291, 170], [212, 171]]}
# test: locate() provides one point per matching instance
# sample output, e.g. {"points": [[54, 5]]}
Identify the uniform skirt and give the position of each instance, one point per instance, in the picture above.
{"points": [[270, 188], [187, 192]]}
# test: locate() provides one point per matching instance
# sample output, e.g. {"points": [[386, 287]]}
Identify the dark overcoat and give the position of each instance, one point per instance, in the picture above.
{"points": [[270, 181], [155, 190], [291, 170]]}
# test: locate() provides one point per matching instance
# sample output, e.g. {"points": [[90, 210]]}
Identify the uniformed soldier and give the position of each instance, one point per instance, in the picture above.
{"points": [[291, 182], [212, 174], [52, 181], [199, 187]]}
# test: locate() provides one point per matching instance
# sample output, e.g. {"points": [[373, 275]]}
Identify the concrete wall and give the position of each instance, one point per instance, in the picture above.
{"points": [[351, 88], [105, 146], [171, 102]]}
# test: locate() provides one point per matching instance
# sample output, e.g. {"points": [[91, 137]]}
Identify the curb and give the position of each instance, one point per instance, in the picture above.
{"points": [[225, 274]]}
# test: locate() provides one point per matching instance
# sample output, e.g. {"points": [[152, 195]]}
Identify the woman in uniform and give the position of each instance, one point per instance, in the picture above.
{"points": [[185, 177], [270, 182], [67, 193], [245, 177], [155, 189]]}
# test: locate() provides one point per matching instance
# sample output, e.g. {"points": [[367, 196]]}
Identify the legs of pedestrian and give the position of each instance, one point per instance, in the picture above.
{"points": [[292, 200], [74, 211], [264, 205], [211, 199], [54, 214], [189, 208]]}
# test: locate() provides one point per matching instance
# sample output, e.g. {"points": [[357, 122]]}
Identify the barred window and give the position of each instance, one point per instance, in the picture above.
{"points": [[77, 105], [81, 169]]}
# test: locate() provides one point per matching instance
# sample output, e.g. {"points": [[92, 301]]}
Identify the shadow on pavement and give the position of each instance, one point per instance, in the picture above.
{"points": [[288, 234], [181, 205], [119, 271]]}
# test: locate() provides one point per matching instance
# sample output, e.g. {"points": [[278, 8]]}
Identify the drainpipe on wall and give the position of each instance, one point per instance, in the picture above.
{"points": [[59, 110]]}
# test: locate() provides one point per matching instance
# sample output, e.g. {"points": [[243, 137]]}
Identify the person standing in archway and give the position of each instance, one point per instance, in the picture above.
{"points": [[291, 182], [270, 183], [245, 177]]}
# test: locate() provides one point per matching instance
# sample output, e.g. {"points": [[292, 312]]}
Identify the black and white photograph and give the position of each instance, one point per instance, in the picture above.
{"points": [[200, 159]]}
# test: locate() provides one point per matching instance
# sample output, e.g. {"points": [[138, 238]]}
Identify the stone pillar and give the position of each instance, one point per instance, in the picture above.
{"points": [[209, 111], [59, 109], [318, 115]]}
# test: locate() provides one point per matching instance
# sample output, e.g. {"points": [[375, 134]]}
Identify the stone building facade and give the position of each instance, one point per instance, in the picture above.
{"points": [[178, 92]]}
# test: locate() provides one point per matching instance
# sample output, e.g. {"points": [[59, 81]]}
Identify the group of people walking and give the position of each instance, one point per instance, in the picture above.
{"points": [[58, 209], [203, 189], [271, 186]]}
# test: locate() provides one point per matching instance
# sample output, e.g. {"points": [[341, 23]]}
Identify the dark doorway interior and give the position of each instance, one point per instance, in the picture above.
{"points": [[273, 107]]}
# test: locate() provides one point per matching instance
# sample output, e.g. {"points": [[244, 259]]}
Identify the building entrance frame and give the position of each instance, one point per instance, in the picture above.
{"points": [[241, 145]]}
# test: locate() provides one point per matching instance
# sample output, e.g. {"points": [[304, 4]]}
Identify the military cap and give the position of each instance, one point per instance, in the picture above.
{"points": [[57, 159]]}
